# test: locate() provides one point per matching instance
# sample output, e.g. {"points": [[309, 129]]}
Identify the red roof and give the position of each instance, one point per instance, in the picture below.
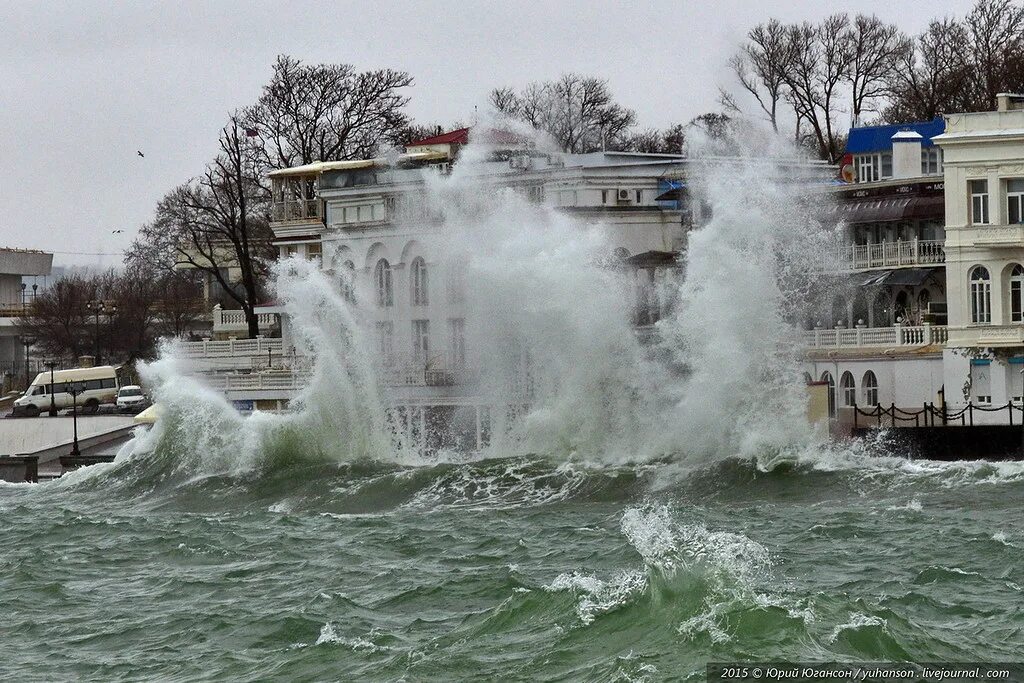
{"points": [[460, 136]]}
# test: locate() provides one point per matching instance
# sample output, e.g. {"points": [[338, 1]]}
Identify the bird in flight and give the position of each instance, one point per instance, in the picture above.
{"points": [[117, 232], [140, 154]]}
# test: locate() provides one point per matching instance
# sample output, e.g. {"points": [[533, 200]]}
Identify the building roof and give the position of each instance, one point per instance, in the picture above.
{"points": [[879, 138], [459, 136], [318, 167]]}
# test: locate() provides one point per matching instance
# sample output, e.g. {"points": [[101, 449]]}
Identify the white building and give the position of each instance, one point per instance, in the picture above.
{"points": [[984, 175], [881, 322], [16, 294]]}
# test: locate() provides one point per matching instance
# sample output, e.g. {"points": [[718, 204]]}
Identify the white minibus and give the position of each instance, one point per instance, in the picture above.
{"points": [[95, 386]]}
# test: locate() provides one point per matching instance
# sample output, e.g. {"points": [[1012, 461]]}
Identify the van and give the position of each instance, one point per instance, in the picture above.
{"points": [[95, 385]]}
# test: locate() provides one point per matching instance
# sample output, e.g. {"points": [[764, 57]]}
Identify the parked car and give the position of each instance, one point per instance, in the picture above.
{"points": [[130, 398], [94, 386]]}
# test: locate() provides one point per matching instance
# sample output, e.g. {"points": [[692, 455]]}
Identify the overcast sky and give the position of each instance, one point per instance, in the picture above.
{"points": [[85, 85]]}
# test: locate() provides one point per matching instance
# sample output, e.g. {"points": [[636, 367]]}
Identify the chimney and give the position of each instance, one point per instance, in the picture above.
{"points": [[906, 154], [1009, 101]]}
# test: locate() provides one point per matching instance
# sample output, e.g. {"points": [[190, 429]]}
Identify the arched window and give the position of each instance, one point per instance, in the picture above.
{"points": [[838, 311], [827, 377], [348, 281], [456, 282], [849, 388], [420, 286], [1016, 299], [901, 306], [981, 296], [869, 385], [881, 314], [382, 278]]}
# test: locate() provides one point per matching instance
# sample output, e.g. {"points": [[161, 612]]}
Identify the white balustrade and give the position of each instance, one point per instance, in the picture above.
{"points": [[898, 335], [232, 347], [891, 254]]}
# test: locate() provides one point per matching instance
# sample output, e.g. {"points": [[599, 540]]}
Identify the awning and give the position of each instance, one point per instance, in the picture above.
{"points": [[891, 209], [898, 277], [671, 191]]}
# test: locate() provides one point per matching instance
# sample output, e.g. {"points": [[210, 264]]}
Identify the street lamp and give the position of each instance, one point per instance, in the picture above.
{"points": [[75, 388], [53, 404], [28, 342], [98, 308]]}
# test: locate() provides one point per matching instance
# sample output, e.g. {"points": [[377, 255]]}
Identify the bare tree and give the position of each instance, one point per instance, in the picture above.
{"points": [[218, 222], [760, 68], [320, 112], [654, 141], [578, 112], [932, 77], [818, 59], [876, 51], [995, 31]]}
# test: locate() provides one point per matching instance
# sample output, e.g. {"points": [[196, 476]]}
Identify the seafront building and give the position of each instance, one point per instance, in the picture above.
{"points": [[923, 302], [22, 273], [984, 173], [881, 325]]}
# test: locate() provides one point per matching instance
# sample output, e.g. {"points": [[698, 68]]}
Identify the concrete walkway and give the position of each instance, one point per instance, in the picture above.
{"points": [[32, 434]]}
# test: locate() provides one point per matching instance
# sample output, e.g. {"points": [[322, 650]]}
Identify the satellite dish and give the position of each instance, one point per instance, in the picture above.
{"points": [[846, 173]]}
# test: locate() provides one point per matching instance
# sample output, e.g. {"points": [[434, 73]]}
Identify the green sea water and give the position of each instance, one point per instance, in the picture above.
{"points": [[518, 569]]}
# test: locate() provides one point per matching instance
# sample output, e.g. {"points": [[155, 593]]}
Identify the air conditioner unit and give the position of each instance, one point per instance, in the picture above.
{"points": [[623, 195]]}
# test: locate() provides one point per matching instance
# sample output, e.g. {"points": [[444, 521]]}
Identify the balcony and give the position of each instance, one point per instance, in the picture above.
{"points": [[876, 337], [890, 254], [233, 321], [998, 235], [297, 210]]}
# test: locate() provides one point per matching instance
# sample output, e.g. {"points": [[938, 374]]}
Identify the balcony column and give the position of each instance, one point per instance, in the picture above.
{"points": [[927, 327]]}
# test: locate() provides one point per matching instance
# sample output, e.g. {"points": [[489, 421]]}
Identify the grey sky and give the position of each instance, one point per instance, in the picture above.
{"points": [[85, 85]]}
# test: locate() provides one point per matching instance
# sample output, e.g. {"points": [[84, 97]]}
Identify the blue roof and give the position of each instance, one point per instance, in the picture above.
{"points": [[879, 138]]}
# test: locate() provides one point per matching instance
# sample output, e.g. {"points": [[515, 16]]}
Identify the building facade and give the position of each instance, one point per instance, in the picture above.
{"points": [[17, 293], [984, 176]]}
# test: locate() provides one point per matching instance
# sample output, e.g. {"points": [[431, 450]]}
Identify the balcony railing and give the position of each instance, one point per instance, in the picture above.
{"points": [[890, 254], [297, 210], [231, 347], [227, 321], [14, 310], [884, 337]]}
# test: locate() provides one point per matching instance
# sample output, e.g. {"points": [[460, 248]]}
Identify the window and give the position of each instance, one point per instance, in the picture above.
{"points": [[314, 252], [1015, 201], [849, 388], [979, 202], [869, 385], [386, 342], [456, 282], [382, 277], [292, 250], [931, 161], [827, 377], [604, 196], [420, 341], [457, 342], [639, 196], [348, 281], [1016, 287], [981, 296], [873, 167], [419, 282]]}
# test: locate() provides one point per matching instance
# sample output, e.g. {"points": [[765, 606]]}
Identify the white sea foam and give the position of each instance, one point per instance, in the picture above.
{"points": [[857, 621]]}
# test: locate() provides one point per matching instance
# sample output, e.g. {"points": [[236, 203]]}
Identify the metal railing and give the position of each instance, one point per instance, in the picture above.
{"points": [[890, 254], [894, 417], [897, 335]]}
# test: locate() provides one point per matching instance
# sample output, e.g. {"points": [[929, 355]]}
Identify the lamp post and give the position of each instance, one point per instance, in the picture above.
{"points": [[53, 404], [24, 305], [28, 342], [98, 308], [75, 388]]}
